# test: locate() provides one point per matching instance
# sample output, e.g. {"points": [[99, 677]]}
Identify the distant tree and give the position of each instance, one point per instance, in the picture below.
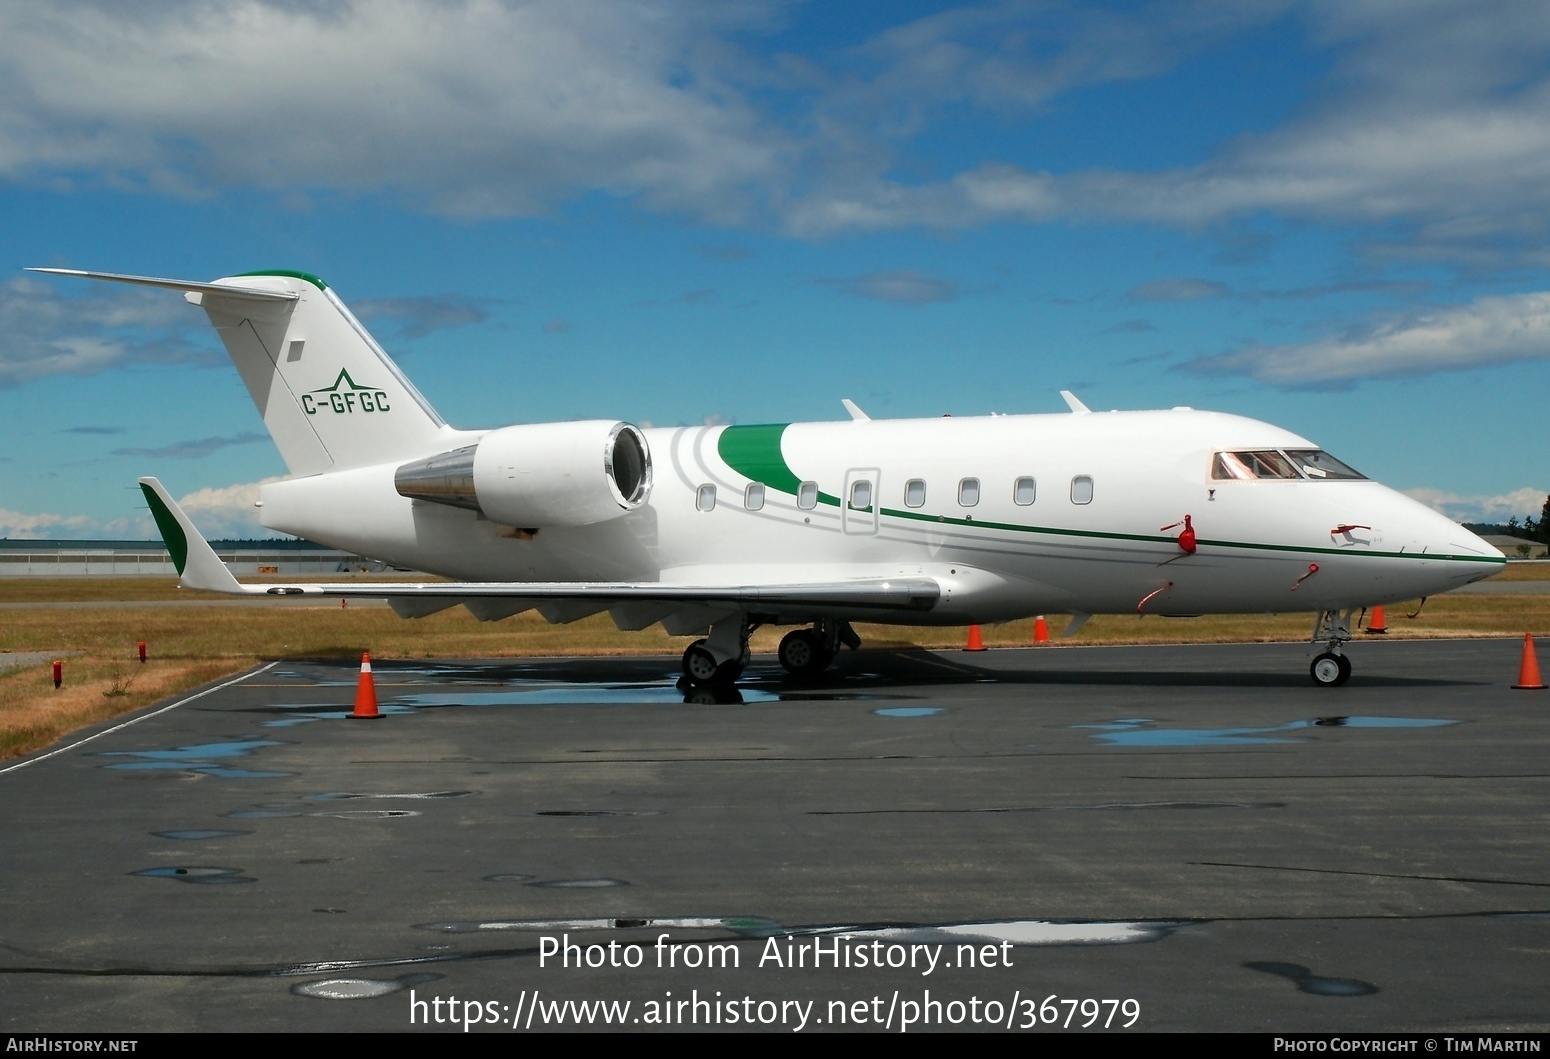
{"points": [[1544, 522], [1524, 549]]}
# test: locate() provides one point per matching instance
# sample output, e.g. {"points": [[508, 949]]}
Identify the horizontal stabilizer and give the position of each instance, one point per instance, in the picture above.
{"points": [[185, 285]]}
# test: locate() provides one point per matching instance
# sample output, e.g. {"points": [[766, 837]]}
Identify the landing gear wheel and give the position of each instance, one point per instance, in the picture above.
{"points": [[702, 670], [804, 654], [1330, 670]]}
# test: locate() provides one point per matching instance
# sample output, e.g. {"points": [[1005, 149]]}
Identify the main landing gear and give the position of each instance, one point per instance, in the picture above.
{"points": [[808, 652], [1332, 668], [721, 657]]}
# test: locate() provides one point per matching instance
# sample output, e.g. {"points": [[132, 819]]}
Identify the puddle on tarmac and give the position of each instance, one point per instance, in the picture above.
{"points": [[359, 988], [267, 813], [1309, 982], [199, 835], [910, 711], [736, 924], [598, 812], [509, 876], [332, 796], [204, 757], [578, 884], [206, 875], [1015, 932], [541, 692], [1133, 731]]}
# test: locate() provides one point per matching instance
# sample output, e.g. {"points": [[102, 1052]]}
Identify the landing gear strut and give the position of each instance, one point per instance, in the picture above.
{"points": [[1332, 668], [808, 652]]}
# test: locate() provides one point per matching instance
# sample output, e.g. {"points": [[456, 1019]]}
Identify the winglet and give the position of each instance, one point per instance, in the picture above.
{"points": [[856, 413], [1077, 407], [196, 561]]}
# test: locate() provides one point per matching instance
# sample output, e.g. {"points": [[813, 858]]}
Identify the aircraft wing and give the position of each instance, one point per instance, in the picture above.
{"points": [[200, 568]]}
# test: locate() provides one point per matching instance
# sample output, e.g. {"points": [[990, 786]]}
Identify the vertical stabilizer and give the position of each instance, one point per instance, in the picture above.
{"points": [[331, 398]]}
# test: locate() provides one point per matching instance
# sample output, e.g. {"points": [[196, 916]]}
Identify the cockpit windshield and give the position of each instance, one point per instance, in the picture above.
{"points": [[1291, 464], [1316, 463]]}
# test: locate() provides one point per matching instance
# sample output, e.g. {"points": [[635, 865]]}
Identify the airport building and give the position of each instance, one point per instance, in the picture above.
{"points": [[101, 558]]}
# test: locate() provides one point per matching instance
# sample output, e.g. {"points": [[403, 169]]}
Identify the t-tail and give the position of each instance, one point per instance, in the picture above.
{"points": [[330, 396]]}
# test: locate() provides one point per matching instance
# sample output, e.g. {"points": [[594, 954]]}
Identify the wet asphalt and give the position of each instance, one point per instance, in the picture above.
{"points": [[1179, 838]]}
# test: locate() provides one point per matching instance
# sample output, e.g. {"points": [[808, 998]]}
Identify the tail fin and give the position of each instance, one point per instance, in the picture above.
{"points": [[331, 398]]}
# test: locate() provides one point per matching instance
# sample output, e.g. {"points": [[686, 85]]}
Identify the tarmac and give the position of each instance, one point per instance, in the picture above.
{"points": [[1153, 838]]}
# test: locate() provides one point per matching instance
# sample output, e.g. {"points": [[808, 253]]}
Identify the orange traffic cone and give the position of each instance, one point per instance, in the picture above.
{"points": [[365, 693], [976, 642], [1040, 630], [1377, 626], [1528, 671]]}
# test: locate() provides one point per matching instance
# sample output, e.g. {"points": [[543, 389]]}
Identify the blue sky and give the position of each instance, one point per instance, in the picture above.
{"points": [[1328, 215]]}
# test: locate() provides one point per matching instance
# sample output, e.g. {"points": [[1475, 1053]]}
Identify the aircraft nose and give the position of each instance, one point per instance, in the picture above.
{"points": [[1470, 558]]}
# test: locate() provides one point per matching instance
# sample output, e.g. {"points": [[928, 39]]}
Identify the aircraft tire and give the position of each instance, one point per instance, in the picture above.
{"points": [[803, 653], [1330, 670], [701, 670]]}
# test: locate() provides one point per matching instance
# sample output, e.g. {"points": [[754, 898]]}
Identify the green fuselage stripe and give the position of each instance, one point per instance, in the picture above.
{"points": [[755, 453]]}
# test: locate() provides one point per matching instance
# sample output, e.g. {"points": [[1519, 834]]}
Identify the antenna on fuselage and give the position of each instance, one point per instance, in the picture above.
{"points": [[1077, 407]]}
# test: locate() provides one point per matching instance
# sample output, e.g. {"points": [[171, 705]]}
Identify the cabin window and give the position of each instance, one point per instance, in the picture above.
{"points": [[1320, 465], [861, 496], [705, 498], [1023, 491], [968, 492], [1082, 489], [914, 493], [807, 496], [753, 496]]}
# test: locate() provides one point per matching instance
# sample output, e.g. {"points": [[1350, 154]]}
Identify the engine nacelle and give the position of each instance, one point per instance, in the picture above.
{"points": [[546, 474]]}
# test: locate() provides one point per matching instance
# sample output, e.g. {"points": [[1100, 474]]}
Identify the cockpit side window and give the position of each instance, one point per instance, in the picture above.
{"points": [[1259, 463], [1318, 464]]}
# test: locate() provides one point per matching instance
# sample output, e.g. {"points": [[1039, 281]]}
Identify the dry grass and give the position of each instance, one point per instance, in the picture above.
{"points": [[192, 645]]}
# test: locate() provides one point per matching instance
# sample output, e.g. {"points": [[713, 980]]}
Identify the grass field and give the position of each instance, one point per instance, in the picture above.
{"points": [[189, 646]]}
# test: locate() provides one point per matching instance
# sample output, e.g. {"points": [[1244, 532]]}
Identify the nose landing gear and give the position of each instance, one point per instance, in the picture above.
{"points": [[1332, 668]]}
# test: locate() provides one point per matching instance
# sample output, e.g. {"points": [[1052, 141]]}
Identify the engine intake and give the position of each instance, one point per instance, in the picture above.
{"points": [[548, 474]]}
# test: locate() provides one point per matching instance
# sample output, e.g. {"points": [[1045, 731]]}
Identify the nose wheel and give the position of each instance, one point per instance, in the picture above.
{"points": [[1330, 670]]}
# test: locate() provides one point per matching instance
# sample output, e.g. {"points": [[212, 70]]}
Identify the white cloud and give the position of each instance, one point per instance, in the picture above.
{"points": [[1490, 330], [43, 333], [1431, 124], [218, 512], [1523, 502], [21, 524], [227, 511], [475, 109], [1435, 119]]}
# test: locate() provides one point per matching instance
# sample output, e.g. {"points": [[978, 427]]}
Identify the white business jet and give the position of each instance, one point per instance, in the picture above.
{"points": [[719, 530]]}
